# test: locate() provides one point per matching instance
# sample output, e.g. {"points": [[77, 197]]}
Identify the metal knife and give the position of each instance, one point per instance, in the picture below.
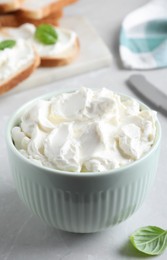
{"points": [[139, 84]]}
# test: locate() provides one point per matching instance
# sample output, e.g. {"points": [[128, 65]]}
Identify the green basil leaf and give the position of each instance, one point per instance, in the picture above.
{"points": [[7, 44], [150, 240], [46, 34]]}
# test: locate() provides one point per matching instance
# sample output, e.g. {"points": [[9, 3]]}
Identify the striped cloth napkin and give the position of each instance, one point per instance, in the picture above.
{"points": [[143, 37]]}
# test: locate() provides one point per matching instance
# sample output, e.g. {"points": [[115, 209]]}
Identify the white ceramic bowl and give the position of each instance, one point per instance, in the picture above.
{"points": [[81, 202]]}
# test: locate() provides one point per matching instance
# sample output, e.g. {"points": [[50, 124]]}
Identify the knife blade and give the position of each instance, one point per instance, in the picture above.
{"points": [[147, 90]]}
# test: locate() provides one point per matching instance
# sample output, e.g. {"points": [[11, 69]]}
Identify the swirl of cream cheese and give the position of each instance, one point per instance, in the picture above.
{"points": [[85, 131]]}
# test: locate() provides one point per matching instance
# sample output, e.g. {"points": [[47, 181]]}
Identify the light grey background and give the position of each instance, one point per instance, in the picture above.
{"points": [[22, 235]]}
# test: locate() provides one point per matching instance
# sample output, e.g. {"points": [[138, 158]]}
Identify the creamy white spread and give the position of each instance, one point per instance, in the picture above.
{"points": [[13, 60], [85, 130], [66, 40]]}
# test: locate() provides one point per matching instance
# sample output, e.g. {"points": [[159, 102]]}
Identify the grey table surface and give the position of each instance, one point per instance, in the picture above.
{"points": [[22, 235]]}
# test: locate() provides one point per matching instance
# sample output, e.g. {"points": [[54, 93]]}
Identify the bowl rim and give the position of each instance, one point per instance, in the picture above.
{"points": [[12, 120]]}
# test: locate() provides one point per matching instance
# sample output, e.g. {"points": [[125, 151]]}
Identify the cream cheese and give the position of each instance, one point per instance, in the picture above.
{"points": [[85, 131], [66, 40], [14, 60]]}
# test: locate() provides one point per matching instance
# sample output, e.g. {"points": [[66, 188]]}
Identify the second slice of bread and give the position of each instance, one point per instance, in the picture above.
{"points": [[13, 20], [10, 5], [40, 9], [51, 19]]}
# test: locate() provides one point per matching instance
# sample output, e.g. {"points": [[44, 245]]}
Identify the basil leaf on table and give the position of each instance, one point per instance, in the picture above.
{"points": [[150, 240], [46, 34], [7, 44]]}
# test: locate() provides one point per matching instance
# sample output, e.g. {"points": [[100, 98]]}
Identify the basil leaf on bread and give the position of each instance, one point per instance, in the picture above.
{"points": [[46, 34]]}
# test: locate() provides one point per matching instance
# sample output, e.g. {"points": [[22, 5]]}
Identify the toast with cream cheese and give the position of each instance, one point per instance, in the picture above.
{"points": [[63, 52], [16, 64]]}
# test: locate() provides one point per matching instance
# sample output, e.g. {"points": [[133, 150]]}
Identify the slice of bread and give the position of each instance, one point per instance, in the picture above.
{"points": [[51, 19], [13, 20], [40, 9], [8, 20], [63, 52], [16, 64], [10, 5], [62, 59]]}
